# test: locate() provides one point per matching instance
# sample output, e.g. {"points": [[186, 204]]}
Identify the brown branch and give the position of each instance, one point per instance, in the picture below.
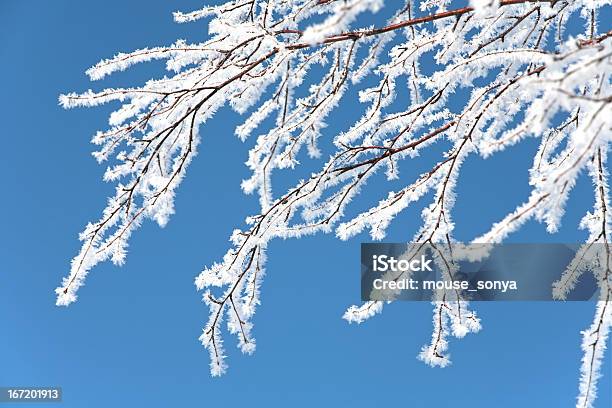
{"points": [[353, 35]]}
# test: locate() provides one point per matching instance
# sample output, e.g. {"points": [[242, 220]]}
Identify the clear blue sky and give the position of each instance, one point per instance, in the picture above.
{"points": [[131, 339]]}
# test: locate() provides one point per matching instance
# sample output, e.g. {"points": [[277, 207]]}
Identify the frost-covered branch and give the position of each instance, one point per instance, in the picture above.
{"points": [[295, 62]]}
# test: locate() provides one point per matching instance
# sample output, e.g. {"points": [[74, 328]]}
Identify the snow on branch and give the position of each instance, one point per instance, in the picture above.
{"points": [[525, 77]]}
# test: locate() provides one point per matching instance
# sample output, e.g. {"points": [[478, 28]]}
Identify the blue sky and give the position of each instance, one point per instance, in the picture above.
{"points": [[131, 339]]}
